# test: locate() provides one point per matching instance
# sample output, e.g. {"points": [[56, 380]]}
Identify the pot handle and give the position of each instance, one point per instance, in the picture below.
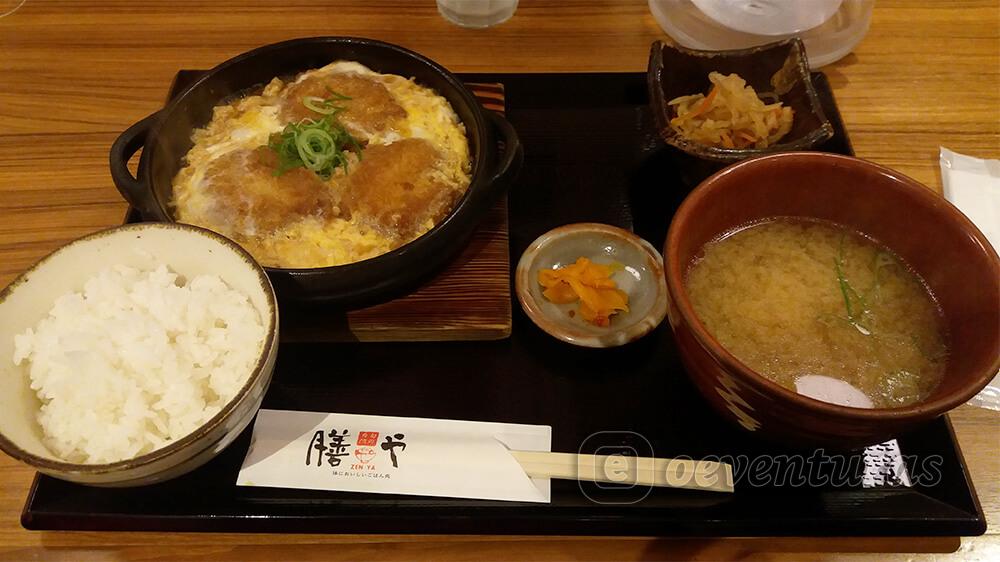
{"points": [[136, 191], [513, 153]]}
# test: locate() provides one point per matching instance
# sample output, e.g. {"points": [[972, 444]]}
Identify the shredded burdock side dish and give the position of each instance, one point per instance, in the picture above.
{"points": [[732, 115]]}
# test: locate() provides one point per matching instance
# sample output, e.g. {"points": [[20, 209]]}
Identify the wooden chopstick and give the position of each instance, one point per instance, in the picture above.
{"points": [[618, 469]]}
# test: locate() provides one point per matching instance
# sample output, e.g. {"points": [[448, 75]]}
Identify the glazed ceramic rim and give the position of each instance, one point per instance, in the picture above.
{"points": [[632, 332], [270, 341], [675, 284]]}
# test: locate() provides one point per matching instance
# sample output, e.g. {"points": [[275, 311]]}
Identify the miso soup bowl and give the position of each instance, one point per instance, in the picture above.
{"points": [[952, 256]]}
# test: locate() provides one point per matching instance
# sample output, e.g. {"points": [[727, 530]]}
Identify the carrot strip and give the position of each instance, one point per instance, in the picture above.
{"points": [[591, 284], [705, 104], [562, 293]]}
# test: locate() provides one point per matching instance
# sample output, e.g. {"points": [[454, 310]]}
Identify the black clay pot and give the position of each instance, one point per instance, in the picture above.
{"points": [[165, 138]]}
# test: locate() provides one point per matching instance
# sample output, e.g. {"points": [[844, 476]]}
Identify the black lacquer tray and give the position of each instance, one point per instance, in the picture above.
{"points": [[591, 154]]}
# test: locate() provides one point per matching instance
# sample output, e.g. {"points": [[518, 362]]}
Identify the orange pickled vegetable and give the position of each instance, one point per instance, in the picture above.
{"points": [[560, 293], [588, 282]]}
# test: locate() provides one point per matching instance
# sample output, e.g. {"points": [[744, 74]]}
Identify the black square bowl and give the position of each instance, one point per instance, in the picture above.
{"points": [[780, 68]]}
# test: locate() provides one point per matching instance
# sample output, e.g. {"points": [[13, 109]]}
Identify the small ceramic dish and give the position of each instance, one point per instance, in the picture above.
{"points": [[780, 68], [189, 251], [641, 278]]}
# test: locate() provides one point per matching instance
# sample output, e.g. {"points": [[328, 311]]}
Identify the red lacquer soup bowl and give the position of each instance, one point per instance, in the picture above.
{"points": [[942, 246]]}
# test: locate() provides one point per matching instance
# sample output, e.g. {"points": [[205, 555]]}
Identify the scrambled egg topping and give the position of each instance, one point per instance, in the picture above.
{"points": [[413, 167]]}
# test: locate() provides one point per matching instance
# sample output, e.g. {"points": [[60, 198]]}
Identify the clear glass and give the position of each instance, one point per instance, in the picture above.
{"points": [[833, 39], [477, 13]]}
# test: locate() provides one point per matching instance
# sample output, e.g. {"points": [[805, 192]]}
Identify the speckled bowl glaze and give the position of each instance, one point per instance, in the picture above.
{"points": [[941, 245], [187, 250], [641, 278]]}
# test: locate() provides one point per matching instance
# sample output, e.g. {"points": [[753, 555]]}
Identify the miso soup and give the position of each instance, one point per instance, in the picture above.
{"points": [[792, 297]]}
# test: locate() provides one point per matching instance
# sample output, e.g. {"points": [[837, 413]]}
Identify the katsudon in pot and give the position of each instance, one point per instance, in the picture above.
{"points": [[333, 166]]}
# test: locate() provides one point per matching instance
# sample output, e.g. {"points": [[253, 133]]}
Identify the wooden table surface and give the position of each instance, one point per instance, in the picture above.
{"points": [[74, 74]]}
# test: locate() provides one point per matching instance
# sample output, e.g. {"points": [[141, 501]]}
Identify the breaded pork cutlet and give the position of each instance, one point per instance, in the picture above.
{"points": [[251, 200], [371, 107], [395, 188]]}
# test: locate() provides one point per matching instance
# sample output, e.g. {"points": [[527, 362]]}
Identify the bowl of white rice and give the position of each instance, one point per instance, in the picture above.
{"points": [[135, 354]]}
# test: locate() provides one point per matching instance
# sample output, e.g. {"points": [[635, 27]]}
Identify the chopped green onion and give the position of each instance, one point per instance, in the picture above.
{"points": [[844, 288], [314, 147], [318, 146], [336, 95], [325, 106], [320, 105], [853, 316]]}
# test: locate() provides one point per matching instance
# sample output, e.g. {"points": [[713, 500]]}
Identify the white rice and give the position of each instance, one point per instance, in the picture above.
{"points": [[137, 360]]}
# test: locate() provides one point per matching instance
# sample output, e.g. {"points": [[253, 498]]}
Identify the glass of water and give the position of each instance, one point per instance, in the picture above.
{"points": [[477, 13]]}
